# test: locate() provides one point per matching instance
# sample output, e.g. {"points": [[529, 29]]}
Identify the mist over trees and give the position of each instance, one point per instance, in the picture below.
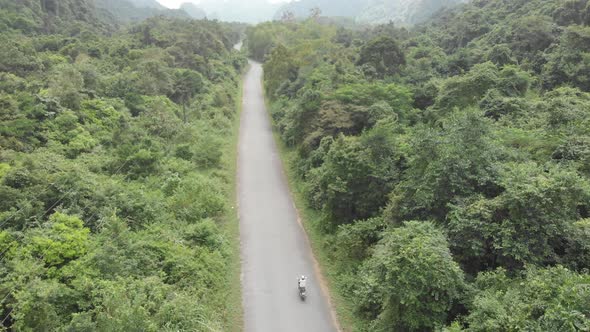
{"points": [[372, 12]]}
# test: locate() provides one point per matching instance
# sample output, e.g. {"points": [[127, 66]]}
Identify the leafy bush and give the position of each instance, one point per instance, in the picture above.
{"points": [[542, 299], [411, 281]]}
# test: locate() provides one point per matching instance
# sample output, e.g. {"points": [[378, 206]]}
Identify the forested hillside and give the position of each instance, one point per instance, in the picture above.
{"points": [[147, 4], [301, 9], [448, 165], [194, 11], [251, 11], [125, 11], [403, 12], [47, 16], [115, 171]]}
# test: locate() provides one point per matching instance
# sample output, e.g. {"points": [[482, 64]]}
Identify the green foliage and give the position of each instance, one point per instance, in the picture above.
{"points": [[355, 175], [206, 151], [18, 57], [4, 168], [367, 94], [476, 121], [568, 108], [154, 78], [187, 84], [113, 189], [446, 165], [532, 34], [198, 198], [65, 85], [529, 223], [553, 299], [383, 55], [278, 69], [161, 117], [353, 242], [411, 281], [463, 91], [260, 40], [567, 65], [308, 37], [66, 239], [132, 11]]}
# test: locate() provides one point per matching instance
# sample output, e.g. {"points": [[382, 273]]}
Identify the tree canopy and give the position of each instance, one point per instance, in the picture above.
{"points": [[448, 162], [115, 203]]}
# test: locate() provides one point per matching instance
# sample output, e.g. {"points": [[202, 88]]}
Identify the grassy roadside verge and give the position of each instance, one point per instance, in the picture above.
{"points": [[231, 228], [310, 219]]}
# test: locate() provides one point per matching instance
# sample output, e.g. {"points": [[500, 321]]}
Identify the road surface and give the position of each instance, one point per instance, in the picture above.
{"points": [[275, 250]]}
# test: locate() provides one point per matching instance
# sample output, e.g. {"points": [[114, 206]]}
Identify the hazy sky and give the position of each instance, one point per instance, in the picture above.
{"points": [[177, 3]]}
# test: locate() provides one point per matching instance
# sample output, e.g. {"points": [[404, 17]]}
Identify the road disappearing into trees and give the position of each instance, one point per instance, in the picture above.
{"points": [[275, 250]]}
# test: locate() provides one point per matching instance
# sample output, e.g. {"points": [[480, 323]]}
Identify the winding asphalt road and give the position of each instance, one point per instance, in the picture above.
{"points": [[275, 250]]}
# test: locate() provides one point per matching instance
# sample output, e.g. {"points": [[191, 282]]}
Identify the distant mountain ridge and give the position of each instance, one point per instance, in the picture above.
{"points": [[405, 12], [193, 10], [402, 11], [146, 4], [251, 11], [347, 8], [126, 11]]}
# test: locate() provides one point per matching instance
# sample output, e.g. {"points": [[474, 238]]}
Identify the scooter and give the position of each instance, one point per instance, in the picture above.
{"points": [[302, 293]]}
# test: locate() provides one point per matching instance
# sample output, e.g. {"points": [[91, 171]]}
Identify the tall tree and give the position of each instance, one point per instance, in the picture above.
{"points": [[384, 55]]}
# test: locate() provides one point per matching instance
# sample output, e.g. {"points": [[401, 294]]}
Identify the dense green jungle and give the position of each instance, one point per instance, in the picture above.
{"points": [[448, 164], [444, 167], [116, 170]]}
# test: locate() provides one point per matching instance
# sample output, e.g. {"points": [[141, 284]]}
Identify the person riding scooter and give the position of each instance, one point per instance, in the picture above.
{"points": [[301, 283]]}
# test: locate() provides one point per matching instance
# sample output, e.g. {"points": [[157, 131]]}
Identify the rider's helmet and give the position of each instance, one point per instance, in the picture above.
{"points": [[302, 277]]}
